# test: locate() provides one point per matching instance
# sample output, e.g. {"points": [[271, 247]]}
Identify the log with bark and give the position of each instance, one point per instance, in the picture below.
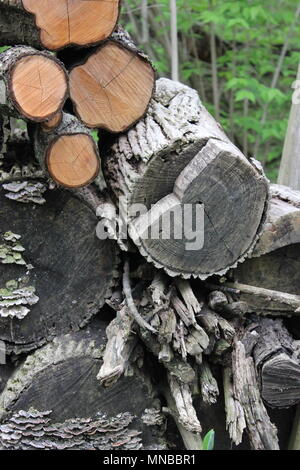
{"points": [[194, 205], [80, 22], [178, 156], [33, 84], [69, 152]]}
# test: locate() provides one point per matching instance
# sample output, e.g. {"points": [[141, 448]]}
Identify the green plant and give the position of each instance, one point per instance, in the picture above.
{"points": [[209, 441]]}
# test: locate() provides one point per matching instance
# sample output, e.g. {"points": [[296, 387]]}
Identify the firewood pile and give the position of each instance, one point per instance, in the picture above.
{"points": [[123, 326]]}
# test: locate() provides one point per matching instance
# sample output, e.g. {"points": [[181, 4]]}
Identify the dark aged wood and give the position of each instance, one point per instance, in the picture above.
{"points": [[68, 268]]}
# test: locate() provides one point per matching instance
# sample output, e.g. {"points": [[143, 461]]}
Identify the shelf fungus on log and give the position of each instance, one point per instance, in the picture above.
{"points": [[60, 377], [69, 153], [33, 84], [56, 255], [113, 87], [55, 25], [178, 163]]}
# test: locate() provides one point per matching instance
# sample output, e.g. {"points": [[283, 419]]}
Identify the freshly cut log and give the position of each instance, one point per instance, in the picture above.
{"points": [[69, 153], [56, 389], [179, 157], [33, 84], [54, 271], [277, 363], [113, 87], [54, 25]]}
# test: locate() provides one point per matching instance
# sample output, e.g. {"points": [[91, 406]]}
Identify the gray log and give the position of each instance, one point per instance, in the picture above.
{"points": [[179, 155]]}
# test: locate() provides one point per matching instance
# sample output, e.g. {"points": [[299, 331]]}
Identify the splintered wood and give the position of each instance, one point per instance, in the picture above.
{"points": [[72, 160], [38, 85], [80, 22], [112, 89]]}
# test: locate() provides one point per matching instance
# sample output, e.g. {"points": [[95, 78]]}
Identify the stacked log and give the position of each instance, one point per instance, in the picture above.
{"points": [[185, 318]]}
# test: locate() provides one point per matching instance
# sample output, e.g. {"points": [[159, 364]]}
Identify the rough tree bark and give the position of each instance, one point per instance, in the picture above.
{"points": [[55, 390], [112, 88]]}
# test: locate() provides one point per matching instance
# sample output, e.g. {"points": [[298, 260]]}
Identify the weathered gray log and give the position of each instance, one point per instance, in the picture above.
{"points": [[54, 271], [266, 301], [33, 23], [178, 155], [33, 84], [55, 390], [282, 227], [68, 153], [277, 366], [235, 417], [262, 433], [278, 270], [208, 384]]}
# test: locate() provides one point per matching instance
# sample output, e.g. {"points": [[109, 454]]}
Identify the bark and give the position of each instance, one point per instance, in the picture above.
{"points": [[178, 155], [33, 84], [55, 390]]}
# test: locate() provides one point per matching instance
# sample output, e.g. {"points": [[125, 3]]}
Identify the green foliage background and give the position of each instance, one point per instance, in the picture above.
{"points": [[251, 36]]}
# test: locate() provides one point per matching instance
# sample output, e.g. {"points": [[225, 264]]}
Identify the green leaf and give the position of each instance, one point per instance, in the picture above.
{"points": [[245, 95], [209, 441]]}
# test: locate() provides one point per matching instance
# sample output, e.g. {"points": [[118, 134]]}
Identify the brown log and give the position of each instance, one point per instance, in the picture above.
{"points": [[80, 22], [282, 227], [112, 88], [179, 155], [69, 153], [33, 84]]}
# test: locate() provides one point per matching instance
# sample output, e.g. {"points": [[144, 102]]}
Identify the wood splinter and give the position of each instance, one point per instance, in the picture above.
{"points": [[69, 153]]}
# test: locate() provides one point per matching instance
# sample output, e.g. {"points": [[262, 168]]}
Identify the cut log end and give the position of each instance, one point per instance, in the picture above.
{"points": [[39, 87], [80, 22], [113, 88], [72, 160], [49, 126]]}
